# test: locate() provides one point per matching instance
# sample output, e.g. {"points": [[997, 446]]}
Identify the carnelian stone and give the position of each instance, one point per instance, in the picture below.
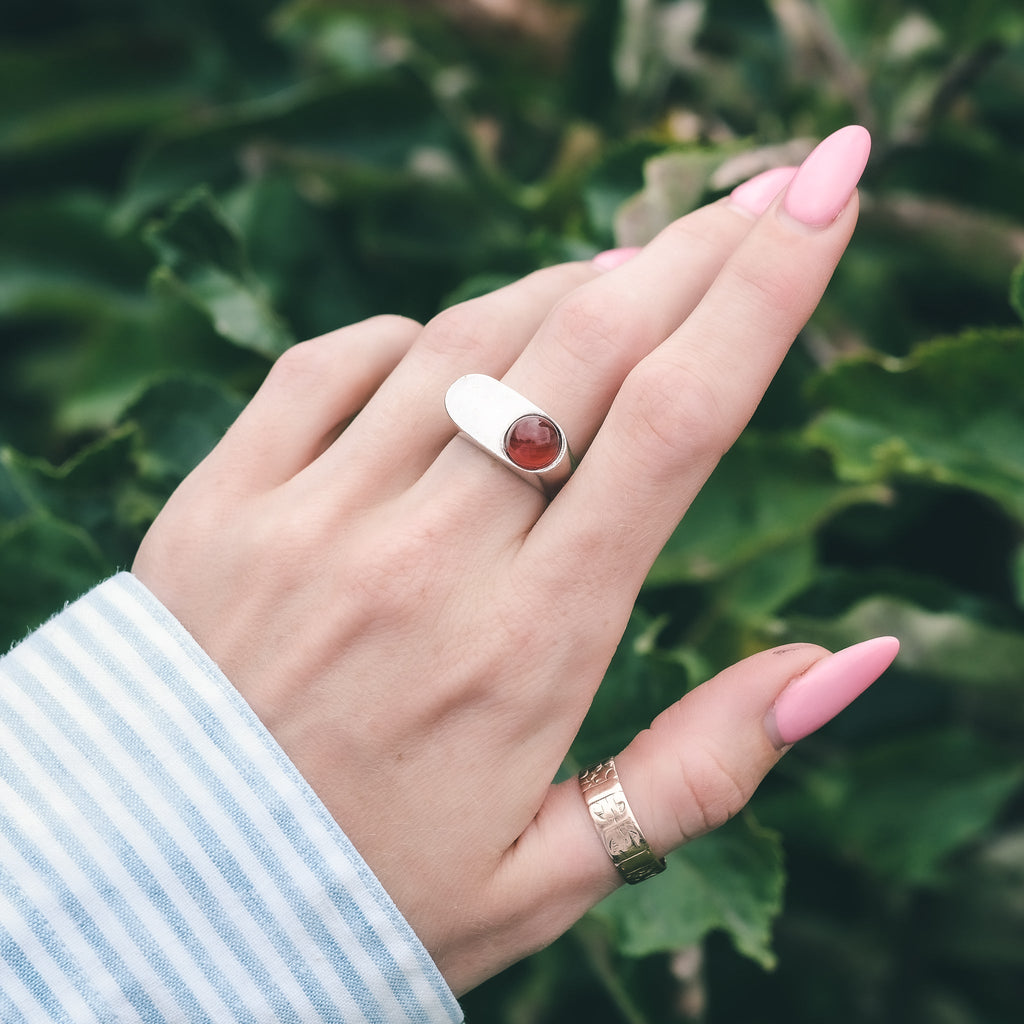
{"points": [[533, 442]]}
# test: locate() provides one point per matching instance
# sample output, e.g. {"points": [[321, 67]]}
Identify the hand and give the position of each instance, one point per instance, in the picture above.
{"points": [[423, 632]]}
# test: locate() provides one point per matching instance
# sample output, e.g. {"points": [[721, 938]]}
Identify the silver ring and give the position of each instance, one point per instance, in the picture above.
{"points": [[511, 429]]}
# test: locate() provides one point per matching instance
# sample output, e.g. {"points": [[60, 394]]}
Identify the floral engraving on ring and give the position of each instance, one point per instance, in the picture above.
{"points": [[620, 831]]}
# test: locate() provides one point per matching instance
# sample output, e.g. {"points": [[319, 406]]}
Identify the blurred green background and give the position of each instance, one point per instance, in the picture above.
{"points": [[186, 188]]}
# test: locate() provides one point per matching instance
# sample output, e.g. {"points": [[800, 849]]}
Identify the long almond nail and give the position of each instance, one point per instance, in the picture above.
{"points": [[826, 179], [826, 688], [756, 195], [612, 258]]}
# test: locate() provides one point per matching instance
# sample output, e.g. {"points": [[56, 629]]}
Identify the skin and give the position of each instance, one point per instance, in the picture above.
{"points": [[423, 632]]}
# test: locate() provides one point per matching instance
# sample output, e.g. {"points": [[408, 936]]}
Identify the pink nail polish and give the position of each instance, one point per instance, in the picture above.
{"points": [[756, 195], [826, 179], [612, 258], [826, 688]]}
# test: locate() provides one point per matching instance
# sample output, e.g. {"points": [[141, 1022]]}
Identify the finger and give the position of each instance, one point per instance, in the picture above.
{"points": [[405, 423], [590, 327], [684, 405], [708, 751], [702, 759], [310, 392], [596, 334], [697, 766]]}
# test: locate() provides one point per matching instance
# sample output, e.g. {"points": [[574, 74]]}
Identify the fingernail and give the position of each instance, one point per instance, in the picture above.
{"points": [[826, 688], [756, 195], [826, 179], [612, 258]]}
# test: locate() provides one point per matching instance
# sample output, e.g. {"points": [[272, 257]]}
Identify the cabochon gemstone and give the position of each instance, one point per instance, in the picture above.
{"points": [[533, 442]]}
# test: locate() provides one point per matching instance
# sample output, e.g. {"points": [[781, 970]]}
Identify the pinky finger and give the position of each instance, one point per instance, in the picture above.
{"points": [[310, 393]]}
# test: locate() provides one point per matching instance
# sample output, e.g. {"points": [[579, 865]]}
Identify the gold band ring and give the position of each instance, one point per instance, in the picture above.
{"points": [[616, 825]]}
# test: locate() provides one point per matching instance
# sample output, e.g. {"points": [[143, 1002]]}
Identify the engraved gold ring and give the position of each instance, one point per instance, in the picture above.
{"points": [[616, 825]]}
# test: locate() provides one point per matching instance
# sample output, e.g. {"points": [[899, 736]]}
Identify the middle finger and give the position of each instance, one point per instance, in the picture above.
{"points": [[573, 334], [576, 362]]}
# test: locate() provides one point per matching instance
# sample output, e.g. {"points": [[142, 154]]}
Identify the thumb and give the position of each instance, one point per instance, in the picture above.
{"points": [[702, 759], [695, 767]]}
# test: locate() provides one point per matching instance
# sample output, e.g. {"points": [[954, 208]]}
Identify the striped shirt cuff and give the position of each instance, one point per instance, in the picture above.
{"points": [[161, 859]]}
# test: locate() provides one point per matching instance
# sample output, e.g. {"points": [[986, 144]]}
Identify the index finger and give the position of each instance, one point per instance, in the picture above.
{"points": [[684, 405]]}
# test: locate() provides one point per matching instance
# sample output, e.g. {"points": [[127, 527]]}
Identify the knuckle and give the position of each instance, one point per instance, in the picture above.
{"points": [[595, 325], [275, 546], [677, 412], [297, 366], [458, 331], [338, 355], [297, 357], [692, 235], [404, 569], [769, 295], [712, 794], [392, 333], [394, 577], [395, 324]]}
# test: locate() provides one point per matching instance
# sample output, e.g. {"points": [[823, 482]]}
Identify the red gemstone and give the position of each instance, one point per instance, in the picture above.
{"points": [[533, 442]]}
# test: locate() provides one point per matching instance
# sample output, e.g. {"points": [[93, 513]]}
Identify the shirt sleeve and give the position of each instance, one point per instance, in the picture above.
{"points": [[161, 859]]}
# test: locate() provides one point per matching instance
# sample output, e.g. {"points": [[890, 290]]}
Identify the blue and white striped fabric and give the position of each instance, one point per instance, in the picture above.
{"points": [[161, 859]]}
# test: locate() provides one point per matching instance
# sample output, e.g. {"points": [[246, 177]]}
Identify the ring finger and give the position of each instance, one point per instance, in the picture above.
{"points": [[569, 352]]}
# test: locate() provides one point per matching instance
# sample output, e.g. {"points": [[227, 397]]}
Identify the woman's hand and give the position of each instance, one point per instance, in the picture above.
{"points": [[423, 632]]}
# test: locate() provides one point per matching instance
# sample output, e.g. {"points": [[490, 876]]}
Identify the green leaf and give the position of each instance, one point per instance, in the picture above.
{"points": [[905, 806], [951, 413], [766, 495], [66, 527], [304, 267], [731, 879], [617, 178], [13, 502], [943, 646], [983, 920], [203, 258], [58, 258], [640, 683], [354, 43], [1016, 568], [84, 90], [360, 138], [44, 563], [759, 588], [1017, 290], [51, 525], [178, 423], [82, 494]]}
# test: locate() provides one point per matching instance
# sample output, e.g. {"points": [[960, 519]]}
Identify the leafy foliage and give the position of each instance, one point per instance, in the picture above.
{"points": [[188, 188], [731, 880]]}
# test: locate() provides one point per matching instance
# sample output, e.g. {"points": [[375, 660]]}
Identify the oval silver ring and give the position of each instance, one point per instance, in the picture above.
{"points": [[510, 428]]}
